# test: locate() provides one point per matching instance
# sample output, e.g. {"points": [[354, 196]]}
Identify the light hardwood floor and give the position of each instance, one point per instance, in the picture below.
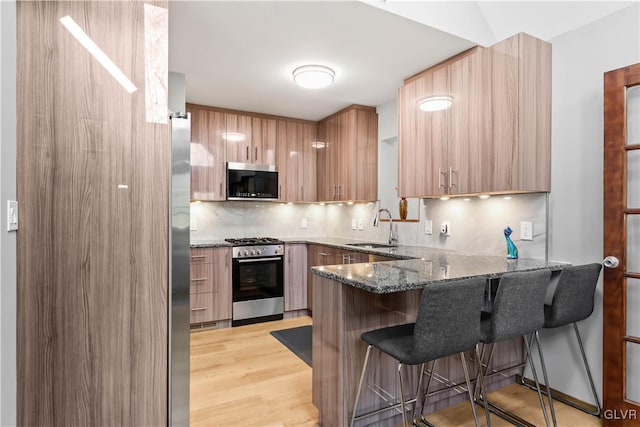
{"points": [[244, 377]]}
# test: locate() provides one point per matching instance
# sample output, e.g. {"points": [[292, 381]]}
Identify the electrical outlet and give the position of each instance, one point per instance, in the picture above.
{"points": [[354, 223], [526, 230], [428, 227], [303, 223], [444, 271], [445, 228], [360, 224]]}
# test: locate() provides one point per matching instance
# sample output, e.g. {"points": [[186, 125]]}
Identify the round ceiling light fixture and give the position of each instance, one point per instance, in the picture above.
{"points": [[435, 103], [313, 76]]}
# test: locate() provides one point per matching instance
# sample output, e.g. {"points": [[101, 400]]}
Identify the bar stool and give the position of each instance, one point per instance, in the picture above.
{"points": [[448, 322], [518, 310], [572, 302]]}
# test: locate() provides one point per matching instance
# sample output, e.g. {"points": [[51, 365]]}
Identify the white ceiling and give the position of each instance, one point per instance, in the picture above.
{"points": [[240, 55]]}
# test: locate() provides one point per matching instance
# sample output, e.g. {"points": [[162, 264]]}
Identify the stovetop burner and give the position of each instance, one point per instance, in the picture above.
{"points": [[254, 241]]}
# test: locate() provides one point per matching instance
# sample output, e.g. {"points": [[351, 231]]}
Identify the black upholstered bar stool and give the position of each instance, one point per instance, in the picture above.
{"points": [[572, 302], [518, 310], [448, 322]]}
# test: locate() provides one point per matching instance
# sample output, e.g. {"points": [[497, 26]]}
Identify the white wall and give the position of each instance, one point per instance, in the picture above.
{"points": [[7, 192], [580, 58]]}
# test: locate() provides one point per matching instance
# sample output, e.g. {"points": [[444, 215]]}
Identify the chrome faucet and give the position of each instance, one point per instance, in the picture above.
{"points": [[376, 221]]}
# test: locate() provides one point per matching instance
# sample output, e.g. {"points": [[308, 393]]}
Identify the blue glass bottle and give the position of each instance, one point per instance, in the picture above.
{"points": [[512, 251]]}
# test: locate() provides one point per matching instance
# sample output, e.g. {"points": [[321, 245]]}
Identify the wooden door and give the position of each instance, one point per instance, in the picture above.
{"points": [[222, 283], [332, 158], [347, 124], [93, 183], [407, 140], [307, 161], [263, 140], [621, 295], [469, 132], [295, 277], [366, 160], [208, 154], [238, 138]]}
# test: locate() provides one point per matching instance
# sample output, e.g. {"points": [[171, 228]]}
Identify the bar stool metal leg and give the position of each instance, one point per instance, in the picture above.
{"points": [[535, 378], [546, 379], [483, 391], [404, 408], [468, 381], [586, 366], [415, 405], [364, 371]]}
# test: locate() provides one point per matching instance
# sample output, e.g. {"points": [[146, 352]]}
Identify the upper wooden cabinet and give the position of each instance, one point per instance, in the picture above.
{"points": [[296, 161], [208, 153], [238, 137], [264, 140], [348, 155], [495, 137]]}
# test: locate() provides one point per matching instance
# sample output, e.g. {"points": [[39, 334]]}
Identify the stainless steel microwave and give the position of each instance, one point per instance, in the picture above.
{"points": [[247, 181]]}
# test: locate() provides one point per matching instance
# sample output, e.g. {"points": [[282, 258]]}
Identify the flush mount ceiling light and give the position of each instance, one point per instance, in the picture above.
{"points": [[233, 136], [435, 103], [313, 76]]}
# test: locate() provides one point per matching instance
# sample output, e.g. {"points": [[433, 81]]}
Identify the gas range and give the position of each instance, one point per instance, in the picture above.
{"points": [[256, 247]]}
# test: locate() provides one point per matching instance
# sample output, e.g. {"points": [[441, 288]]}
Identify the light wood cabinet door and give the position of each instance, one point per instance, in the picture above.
{"points": [[332, 166], [348, 161], [408, 139], [211, 284], [208, 148], [470, 129], [222, 283], [295, 277], [264, 139], [367, 155], [307, 162], [238, 138]]}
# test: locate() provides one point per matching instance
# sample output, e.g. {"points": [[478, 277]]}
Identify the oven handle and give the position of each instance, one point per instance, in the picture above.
{"points": [[259, 260]]}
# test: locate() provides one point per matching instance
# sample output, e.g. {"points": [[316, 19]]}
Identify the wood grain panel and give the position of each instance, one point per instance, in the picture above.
{"points": [[366, 155], [323, 184], [264, 141], [307, 173], [535, 108], [407, 138], [201, 278], [222, 283], [92, 257], [208, 154], [282, 159], [295, 277], [347, 124], [239, 151]]}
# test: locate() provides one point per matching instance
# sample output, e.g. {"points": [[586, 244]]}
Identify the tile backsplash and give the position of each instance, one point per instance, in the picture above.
{"points": [[476, 225]]}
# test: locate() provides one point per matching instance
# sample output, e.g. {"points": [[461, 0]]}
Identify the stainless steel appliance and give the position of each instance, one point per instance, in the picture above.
{"points": [[246, 181], [258, 280]]}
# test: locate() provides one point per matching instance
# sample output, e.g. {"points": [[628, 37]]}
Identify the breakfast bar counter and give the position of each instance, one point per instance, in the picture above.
{"points": [[354, 298]]}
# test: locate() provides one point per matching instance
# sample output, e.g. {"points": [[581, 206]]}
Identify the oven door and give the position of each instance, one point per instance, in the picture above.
{"points": [[258, 290], [257, 278]]}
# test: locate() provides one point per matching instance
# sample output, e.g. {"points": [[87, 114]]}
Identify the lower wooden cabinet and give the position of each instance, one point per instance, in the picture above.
{"points": [[210, 284], [295, 277]]}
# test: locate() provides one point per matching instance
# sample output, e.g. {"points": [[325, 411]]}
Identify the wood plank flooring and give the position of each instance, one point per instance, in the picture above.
{"points": [[244, 377]]}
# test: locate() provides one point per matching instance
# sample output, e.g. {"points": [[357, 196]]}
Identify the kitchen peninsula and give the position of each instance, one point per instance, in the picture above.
{"points": [[354, 298]]}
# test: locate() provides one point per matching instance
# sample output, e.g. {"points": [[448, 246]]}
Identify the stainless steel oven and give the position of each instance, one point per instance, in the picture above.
{"points": [[258, 280]]}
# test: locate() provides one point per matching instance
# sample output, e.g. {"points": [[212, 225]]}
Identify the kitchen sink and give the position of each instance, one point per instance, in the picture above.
{"points": [[372, 245]]}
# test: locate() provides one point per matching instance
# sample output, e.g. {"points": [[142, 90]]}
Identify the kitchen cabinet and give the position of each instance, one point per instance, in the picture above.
{"points": [[250, 139], [296, 161], [348, 155], [208, 154], [210, 289], [495, 137], [295, 277], [238, 138]]}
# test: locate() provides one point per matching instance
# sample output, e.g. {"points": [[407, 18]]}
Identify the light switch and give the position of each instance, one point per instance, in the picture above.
{"points": [[428, 227], [303, 223], [360, 224], [354, 223], [12, 215], [526, 230]]}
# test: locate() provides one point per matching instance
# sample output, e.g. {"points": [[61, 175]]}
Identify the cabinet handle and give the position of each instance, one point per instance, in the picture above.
{"points": [[247, 156], [440, 173], [302, 192], [322, 254], [335, 191], [199, 309], [451, 183], [198, 256], [280, 191], [221, 190], [199, 280], [256, 155]]}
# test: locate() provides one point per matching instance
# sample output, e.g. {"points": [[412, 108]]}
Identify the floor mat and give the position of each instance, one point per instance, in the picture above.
{"points": [[298, 340]]}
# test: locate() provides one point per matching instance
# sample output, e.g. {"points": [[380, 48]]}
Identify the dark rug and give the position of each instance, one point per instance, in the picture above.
{"points": [[298, 340]]}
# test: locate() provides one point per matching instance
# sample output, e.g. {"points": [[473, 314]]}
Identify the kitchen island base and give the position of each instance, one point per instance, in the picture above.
{"points": [[341, 314]]}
